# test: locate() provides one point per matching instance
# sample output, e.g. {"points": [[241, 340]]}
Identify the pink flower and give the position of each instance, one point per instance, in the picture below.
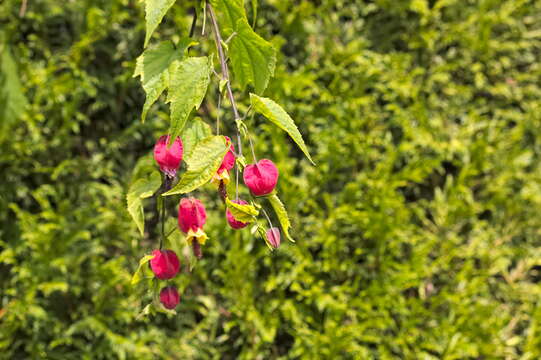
{"points": [[168, 158], [235, 224], [169, 297], [165, 264], [222, 174], [229, 159], [191, 218], [273, 235], [261, 177], [191, 214]]}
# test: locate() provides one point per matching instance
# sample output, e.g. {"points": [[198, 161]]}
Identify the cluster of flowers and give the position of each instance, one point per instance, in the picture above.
{"points": [[260, 178]]}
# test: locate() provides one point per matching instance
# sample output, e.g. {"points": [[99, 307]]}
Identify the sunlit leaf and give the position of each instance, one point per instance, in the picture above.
{"points": [[194, 132], [281, 213], [138, 275], [188, 84], [153, 68], [141, 188], [230, 11], [242, 212], [253, 58], [155, 10], [278, 116], [203, 162]]}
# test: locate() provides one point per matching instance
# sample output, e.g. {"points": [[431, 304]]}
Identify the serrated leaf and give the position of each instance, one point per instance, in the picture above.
{"points": [[281, 213], [137, 276], [230, 12], [155, 10], [278, 116], [203, 162], [187, 88], [141, 188], [196, 131], [252, 57], [153, 68], [242, 212]]}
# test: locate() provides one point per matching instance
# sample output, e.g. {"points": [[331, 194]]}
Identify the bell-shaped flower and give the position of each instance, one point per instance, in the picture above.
{"points": [[273, 235], [261, 177], [164, 264], [168, 157], [222, 174], [169, 297], [191, 219]]}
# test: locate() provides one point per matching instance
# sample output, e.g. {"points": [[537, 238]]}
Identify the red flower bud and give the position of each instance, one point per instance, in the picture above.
{"points": [[169, 297], [168, 158], [273, 234], [229, 159], [191, 218], [165, 264], [235, 224], [261, 177]]}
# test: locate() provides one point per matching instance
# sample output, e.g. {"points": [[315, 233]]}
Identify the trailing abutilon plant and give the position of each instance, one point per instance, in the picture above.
{"points": [[189, 156]]}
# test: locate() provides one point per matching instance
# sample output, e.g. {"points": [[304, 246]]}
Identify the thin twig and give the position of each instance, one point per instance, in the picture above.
{"points": [[268, 218], [252, 147], [22, 10], [225, 70], [218, 112]]}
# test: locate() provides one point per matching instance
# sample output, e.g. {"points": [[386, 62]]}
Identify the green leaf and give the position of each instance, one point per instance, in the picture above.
{"points": [[252, 57], [230, 12], [141, 188], [12, 99], [244, 213], [203, 162], [196, 131], [281, 213], [188, 84], [279, 117], [138, 276], [153, 68], [155, 11]]}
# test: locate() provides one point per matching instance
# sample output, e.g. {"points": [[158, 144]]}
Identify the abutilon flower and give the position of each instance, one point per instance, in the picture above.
{"points": [[261, 177], [168, 158], [235, 224], [169, 297], [273, 234], [164, 264], [191, 218], [222, 174]]}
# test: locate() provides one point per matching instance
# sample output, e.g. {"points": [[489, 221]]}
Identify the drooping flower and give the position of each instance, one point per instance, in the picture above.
{"points": [[191, 218], [235, 224], [168, 158], [165, 264], [169, 297], [261, 177], [273, 234], [222, 174]]}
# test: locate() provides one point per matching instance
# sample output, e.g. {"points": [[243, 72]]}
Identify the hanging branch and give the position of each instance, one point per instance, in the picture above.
{"points": [[225, 70]]}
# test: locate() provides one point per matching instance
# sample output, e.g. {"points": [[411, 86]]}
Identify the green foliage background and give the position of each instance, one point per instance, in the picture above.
{"points": [[418, 232]]}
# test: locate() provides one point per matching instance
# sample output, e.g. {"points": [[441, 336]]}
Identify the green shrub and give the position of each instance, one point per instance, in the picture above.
{"points": [[417, 232]]}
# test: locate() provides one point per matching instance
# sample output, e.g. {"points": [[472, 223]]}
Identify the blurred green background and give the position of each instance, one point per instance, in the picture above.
{"points": [[418, 232]]}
